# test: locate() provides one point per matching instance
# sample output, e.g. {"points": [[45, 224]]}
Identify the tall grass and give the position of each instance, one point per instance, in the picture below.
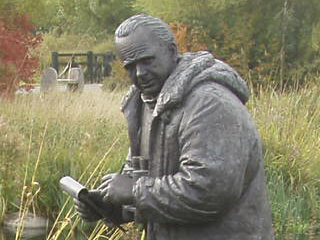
{"points": [[289, 125], [43, 139]]}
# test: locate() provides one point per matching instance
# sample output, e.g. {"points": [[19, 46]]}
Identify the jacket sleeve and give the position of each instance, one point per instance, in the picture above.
{"points": [[214, 153]]}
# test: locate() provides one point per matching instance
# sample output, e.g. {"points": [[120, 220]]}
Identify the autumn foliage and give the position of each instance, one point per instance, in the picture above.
{"points": [[16, 61], [189, 39]]}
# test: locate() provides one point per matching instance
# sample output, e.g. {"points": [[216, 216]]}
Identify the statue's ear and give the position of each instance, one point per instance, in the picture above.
{"points": [[173, 48]]}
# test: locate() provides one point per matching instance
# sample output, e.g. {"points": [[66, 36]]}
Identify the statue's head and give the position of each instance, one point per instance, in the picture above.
{"points": [[148, 50]]}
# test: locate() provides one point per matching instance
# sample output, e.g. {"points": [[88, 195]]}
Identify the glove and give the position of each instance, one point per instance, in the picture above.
{"points": [[110, 213], [84, 211], [117, 189]]}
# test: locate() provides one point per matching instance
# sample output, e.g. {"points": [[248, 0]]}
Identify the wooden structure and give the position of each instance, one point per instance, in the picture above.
{"points": [[97, 64]]}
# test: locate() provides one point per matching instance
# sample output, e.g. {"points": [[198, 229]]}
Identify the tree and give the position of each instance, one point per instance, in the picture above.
{"points": [[264, 40], [96, 17], [16, 61], [42, 13]]}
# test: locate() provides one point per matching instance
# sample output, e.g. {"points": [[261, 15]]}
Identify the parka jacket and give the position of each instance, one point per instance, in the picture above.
{"points": [[206, 174]]}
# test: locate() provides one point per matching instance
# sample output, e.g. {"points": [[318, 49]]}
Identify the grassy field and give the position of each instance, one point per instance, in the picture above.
{"points": [[45, 138], [289, 125]]}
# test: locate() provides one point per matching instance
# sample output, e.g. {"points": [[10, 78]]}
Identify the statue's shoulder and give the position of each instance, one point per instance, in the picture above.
{"points": [[133, 91]]}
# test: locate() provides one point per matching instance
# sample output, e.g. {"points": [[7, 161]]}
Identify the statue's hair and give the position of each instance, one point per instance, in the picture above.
{"points": [[156, 25]]}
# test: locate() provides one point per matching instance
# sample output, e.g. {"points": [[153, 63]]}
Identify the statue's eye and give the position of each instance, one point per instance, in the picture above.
{"points": [[147, 60], [130, 67]]}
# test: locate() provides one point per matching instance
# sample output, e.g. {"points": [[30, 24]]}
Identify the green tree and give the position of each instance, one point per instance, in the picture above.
{"points": [[96, 17], [42, 13], [264, 40]]}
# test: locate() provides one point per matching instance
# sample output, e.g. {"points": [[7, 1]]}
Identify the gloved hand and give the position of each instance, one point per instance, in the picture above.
{"points": [[117, 189], [84, 211], [111, 213]]}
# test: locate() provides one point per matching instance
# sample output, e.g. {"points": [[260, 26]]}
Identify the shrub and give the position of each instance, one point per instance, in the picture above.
{"points": [[16, 61], [119, 79]]}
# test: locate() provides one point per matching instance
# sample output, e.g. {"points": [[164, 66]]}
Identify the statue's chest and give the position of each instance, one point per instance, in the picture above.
{"points": [[145, 134], [163, 146]]}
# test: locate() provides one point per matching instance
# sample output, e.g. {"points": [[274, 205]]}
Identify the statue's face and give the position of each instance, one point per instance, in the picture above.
{"points": [[148, 60]]}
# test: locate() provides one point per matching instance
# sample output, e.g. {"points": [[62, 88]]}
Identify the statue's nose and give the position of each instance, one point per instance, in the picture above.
{"points": [[140, 70]]}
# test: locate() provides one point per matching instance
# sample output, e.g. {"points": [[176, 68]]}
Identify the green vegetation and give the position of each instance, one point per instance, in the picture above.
{"points": [[45, 138], [289, 127], [264, 40], [257, 37], [273, 44]]}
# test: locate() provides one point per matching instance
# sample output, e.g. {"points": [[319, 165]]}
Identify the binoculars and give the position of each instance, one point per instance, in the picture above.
{"points": [[137, 167]]}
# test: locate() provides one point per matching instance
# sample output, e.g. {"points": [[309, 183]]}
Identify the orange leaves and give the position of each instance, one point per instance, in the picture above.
{"points": [[188, 38]]}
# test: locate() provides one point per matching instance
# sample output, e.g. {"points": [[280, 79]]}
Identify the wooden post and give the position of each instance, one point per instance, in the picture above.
{"points": [[90, 62], [55, 61], [95, 68], [107, 58]]}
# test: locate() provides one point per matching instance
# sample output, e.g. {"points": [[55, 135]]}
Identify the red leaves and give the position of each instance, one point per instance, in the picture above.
{"points": [[17, 40]]}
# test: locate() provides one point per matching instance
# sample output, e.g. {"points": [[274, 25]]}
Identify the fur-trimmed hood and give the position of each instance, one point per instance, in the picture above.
{"points": [[195, 68]]}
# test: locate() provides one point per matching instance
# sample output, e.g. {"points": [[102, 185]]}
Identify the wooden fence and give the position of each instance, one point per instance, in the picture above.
{"points": [[97, 65]]}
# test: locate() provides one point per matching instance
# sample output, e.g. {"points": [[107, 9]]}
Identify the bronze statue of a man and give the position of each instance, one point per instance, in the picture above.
{"points": [[187, 119]]}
